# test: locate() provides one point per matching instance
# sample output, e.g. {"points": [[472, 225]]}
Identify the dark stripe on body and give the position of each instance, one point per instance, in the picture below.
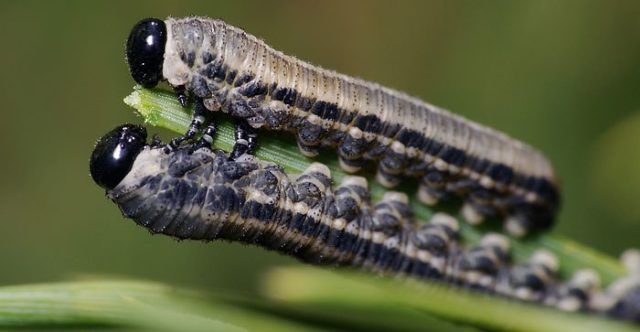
{"points": [[410, 138]]}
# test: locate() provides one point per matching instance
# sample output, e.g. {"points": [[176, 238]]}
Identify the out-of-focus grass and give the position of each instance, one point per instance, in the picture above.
{"points": [[128, 304], [153, 306], [337, 295], [295, 299]]}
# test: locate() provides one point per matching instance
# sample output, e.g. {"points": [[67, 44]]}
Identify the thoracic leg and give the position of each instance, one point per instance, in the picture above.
{"points": [[207, 137], [181, 95], [199, 118], [155, 141], [245, 137]]}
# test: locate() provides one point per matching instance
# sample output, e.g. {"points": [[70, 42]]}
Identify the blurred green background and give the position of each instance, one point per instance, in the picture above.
{"points": [[563, 77]]}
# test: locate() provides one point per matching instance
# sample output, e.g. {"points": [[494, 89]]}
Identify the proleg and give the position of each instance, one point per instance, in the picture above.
{"points": [[225, 69], [201, 194]]}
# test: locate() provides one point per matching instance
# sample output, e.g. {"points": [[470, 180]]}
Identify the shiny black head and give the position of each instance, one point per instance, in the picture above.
{"points": [[145, 51], [115, 153]]}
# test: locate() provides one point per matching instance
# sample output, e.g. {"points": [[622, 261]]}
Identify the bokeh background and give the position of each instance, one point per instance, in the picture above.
{"points": [[563, 76]]}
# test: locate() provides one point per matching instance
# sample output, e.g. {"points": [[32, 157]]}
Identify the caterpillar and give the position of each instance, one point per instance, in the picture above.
{"points": [[205, 195], [226, 69]]}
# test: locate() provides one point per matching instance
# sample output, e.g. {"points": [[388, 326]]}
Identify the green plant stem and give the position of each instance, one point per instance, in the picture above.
{"points": [[160, 108]]}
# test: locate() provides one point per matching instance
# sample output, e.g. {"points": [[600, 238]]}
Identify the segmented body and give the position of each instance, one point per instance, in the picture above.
{"points": [[205, 196], [239, 74]]}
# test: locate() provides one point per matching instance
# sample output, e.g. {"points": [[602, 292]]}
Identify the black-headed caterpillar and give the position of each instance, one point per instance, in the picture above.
{"points": [[224, 68], [200, 194]]}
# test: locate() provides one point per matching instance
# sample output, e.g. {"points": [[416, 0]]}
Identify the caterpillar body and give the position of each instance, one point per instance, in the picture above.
{"points": [[232, 71], [205, 195]]}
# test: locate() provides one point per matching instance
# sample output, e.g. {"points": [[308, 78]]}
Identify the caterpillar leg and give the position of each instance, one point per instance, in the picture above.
{"points": [[390, 215], [155, 141], [207, 137], [433, 187], [199, 118], [307, 197], [578, 292], [181, 95], [531, 281], [345, 218], [351, 149], [245, 140], [392, 164], [479, 266], [435, 243]]}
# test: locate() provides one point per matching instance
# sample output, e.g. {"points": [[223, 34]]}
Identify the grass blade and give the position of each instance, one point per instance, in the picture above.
{"points": [[350, 292], [138, 304]]}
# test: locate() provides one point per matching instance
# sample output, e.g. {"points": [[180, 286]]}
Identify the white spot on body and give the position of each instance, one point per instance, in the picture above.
{"points": [[300, 208], [471, 214], [425, 197], [496, 240], [546, 258], [355, 132], [339, 224], [444, 219], [378, 237], [398, 148], [440, 165], [355, 181], [424, 256], [396, 196], [514, 227]]}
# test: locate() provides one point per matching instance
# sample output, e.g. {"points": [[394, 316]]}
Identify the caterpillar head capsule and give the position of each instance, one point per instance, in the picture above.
{"points": [[114, 154], [145, 51]]}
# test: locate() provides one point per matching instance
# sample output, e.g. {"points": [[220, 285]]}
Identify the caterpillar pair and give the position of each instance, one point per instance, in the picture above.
{"points": [[222, 68]]}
